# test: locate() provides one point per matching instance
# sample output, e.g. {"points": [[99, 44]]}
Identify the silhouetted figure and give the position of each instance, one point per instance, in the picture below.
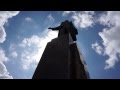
{"points": [[61, 58], [66, 27]]}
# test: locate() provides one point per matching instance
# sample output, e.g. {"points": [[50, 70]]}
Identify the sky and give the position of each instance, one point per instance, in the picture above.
{"points": [[24, 36]]}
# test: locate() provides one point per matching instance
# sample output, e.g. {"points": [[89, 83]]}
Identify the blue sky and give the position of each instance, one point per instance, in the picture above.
{"points": [[24, 35]]}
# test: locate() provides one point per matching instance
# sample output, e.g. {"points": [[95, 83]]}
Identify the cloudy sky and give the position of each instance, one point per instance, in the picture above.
{"points": [[24, 35]]}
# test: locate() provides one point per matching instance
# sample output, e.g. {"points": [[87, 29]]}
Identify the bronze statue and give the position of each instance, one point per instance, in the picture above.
{"points": [[66, 27]]}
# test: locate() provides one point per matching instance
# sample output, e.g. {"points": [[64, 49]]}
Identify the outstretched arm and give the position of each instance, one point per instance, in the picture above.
{"points": [[55, 28]]}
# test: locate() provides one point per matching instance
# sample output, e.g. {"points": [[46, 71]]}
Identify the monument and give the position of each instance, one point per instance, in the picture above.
{"points": [[61, 58]]}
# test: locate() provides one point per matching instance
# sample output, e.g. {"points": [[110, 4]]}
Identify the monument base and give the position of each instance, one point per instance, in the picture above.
{"points": [[54, 61], [60, 61]]}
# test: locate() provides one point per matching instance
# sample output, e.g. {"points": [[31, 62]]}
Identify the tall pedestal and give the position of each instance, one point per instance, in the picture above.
{"points": [[60, 61]]}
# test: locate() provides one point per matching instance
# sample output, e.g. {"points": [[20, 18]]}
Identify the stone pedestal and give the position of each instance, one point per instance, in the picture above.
{"points": [[54, 61], [77, 70], [60, 61]]}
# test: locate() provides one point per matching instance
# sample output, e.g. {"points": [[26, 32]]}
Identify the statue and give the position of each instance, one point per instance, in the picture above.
{"points": [[66, 27], [61, 58]]}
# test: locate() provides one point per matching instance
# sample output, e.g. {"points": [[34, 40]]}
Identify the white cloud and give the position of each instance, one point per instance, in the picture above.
{"points": [[4, 74], [12, 47], [14, 54], [110, 18], [28, 19], [82, 19], [65, 13], [34, 47], [30, 22], [97, 48], [50, 17], [2, 34], [4, 16], [12, 51], [3, 58], [111, 37]]}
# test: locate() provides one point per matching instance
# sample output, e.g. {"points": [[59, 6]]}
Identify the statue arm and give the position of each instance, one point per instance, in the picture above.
{"points": [[55, 28]]}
